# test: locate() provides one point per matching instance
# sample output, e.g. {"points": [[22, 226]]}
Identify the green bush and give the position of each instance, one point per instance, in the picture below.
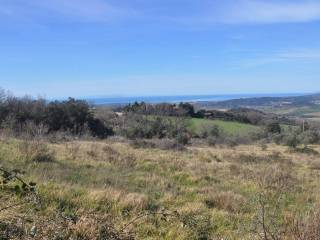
{"points": [[273, 127], [209, 130], [134, 126]]}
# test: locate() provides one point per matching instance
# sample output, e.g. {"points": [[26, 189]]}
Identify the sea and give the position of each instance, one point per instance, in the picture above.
{"points": [[183, 98]]}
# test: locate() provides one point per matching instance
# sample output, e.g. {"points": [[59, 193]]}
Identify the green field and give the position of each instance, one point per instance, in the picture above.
{"points": [[230, 128], [303, 111]]}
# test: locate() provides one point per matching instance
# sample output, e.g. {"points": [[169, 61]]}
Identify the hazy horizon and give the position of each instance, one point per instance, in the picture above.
{"points": [[229, 95]]}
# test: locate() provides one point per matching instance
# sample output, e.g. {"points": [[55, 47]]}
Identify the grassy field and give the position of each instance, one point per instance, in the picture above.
{"points": [[301, 112], [229, 128], [91, 189]]}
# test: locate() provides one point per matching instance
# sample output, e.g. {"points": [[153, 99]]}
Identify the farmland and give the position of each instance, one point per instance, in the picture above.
{"points": [[228, 127]]}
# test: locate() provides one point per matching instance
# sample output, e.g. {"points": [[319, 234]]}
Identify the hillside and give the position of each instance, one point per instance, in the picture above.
{"points": [[228, 127], [109, 190], [293, 101], [71, 171]]}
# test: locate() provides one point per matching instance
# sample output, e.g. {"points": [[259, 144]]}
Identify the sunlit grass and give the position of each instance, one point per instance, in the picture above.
{"points": [[213, 189], [230, 128]]}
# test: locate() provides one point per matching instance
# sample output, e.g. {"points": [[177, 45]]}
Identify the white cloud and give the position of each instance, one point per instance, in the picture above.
{"points": [[249, 12], [190, 12], [79, 10], [301, 55], [263, 11]]}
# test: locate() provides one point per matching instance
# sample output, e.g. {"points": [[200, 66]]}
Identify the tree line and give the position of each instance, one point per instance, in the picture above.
{"points": [[243, 115], [73, 116], [37, 117]]}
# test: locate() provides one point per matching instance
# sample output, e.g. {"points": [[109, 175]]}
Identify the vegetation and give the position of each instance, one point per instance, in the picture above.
{"points": [[154, 172], [110, 190], [292, 101], [163, 109], [37, 117], [242, 115], [227, 127]]}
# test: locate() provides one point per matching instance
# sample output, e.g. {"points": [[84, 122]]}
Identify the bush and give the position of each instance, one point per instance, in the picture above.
{"points": [[141, 143], [228, 201], [309, 137], [163, 144], [291, 140], [212, 141], [233, 141], [183, 138], [37, 117], [162, 109], [306, 150], [304, 227], [98, 129], [209, 130], [134, 126], [36, 151], [273, 127]]}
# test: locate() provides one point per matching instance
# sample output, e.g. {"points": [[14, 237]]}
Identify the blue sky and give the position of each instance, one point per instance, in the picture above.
{"points": [[59, 48]]}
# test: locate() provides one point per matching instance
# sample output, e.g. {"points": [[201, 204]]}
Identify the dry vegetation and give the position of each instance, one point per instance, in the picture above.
{"points": [[112, 190]]}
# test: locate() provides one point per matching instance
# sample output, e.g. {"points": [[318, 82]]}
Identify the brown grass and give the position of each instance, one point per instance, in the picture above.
{"points": [[90, 188]]}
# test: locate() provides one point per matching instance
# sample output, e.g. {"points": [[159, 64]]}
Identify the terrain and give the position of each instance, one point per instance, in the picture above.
{"points": [[228, 127], [302, 106], [155, 171], [293, 101], [100, 189]]}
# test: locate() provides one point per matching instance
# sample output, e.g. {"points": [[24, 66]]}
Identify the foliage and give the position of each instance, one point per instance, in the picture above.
{"points": [[163, 109], [38, 117], [293, 137], [19, 185], [273, 127], [137, 126]]}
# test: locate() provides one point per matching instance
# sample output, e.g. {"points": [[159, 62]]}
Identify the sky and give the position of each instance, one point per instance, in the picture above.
{"points": [[86, 48]]}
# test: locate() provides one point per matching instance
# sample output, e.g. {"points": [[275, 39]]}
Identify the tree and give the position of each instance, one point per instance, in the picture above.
{"points": [[71, 115], [273, 127], [186, 109]]}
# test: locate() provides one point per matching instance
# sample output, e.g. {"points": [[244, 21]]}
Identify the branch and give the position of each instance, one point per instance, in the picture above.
{"points": [[146, 215], [14, 176], [12, 206]]}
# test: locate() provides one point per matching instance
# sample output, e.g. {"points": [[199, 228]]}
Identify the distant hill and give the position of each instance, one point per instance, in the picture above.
{"points": [[292, 101]]}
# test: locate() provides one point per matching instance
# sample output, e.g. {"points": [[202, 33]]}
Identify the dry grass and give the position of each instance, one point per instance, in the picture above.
{"points": [[90, 188]]}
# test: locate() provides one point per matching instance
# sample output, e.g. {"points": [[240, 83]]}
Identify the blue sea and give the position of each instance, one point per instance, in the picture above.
{"points": [[177, 99]]}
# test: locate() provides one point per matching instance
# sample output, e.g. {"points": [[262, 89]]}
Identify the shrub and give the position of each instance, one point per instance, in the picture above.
{"points": [[209, 131], [163, 144], [233, 141], [37, 117], [306, 150], [167, 144], [212, 141], [136, 126], [99, 129], [141, 143], [263, 147], [309, 137], [304, 227], [291, 140], [273, 127], [162, 109], [183, 138], [36, 151], [276, 177], [228, 201]]}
